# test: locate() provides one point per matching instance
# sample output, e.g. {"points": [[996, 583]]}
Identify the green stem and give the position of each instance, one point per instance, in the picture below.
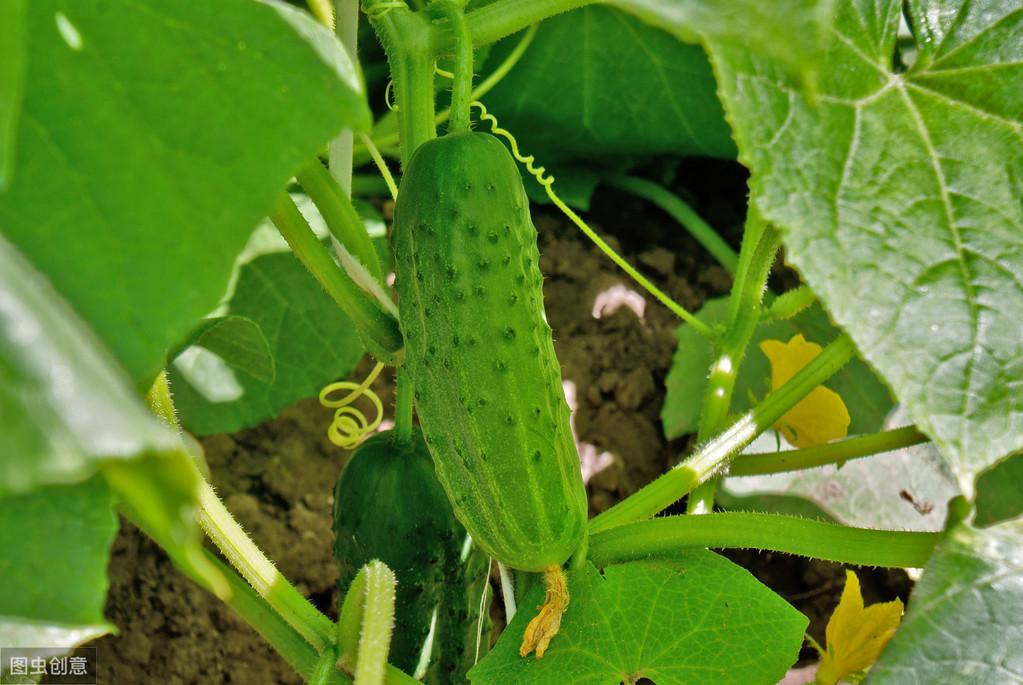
{"points": [[759, 245], [680, 211], [790, 303], [502, 18], [254, 610], [407, 39], [713, 456], [229, 537], [342, 220], [382, 136], [831, 453], [377, 327], [378, 159], [160, 403], [789, 534], [377, 625], [403, 407], [461, 87], [326, 668]]}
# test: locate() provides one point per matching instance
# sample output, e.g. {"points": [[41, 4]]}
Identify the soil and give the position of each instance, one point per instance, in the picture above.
{"points": [[278, 478]]}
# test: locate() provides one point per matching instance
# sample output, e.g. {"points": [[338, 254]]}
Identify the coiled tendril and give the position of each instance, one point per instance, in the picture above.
{"points": [[350, 425], [547, 181]]}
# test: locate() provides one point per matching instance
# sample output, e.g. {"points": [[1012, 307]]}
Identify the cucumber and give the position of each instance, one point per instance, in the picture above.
{"points": [[389, 506], [487, 383]]}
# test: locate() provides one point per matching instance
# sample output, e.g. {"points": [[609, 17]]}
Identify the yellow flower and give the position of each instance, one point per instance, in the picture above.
{"points": [[856, 636], [819, 417]]}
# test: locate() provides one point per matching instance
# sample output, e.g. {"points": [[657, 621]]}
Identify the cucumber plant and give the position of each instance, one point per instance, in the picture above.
{"points": [[142, 142]]}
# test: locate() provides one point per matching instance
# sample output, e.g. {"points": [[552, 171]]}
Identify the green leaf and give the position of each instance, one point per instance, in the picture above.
{"points": [[54, 544], [165, 128], [866, 398], [898, 195], [906, 489], [598, 83], [64, 404], [239, 342], [1000, 492], [12, 73], [962, 626], [69, 411], [792, 31], [693, 619], [310, 340]]}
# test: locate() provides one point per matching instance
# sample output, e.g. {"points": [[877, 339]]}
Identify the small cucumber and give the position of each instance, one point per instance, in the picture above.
{"points": [[389, 506], [480, 353]]}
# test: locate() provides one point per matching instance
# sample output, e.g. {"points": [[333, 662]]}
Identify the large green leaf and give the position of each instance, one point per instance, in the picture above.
{"points": [[53, 560], [309, 340], [899, 197], [792, 31], [12, 72], [962, 626], [154, 135], [598, 83], [69, 412], [696, 618], [867, 399], [65, 405]]}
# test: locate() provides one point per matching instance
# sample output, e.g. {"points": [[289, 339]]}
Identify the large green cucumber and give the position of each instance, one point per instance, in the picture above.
{"points": [[487, 383], [388, 505]]}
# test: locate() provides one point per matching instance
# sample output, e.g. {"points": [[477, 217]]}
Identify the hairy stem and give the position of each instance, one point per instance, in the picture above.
{"points": [[791, 303], [503, 18], [679, 210], [759, 245], [713, 456], [377, 625], [831, 453], [815, 539], [229, 537], [382, 135], [377, 327], [461, 86], [325, 671], [254, 610], [407, 39]]}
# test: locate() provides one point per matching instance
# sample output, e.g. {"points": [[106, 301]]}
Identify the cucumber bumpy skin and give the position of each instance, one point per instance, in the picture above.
{"points": [[487, 383]]}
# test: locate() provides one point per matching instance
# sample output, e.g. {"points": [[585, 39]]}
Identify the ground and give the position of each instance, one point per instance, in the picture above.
{"points": [[278, 478]]}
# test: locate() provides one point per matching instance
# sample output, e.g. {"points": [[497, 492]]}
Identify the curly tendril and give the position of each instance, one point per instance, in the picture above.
{"points": [[547, 181], [529, 161], [389, 96], [350, 425]]}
